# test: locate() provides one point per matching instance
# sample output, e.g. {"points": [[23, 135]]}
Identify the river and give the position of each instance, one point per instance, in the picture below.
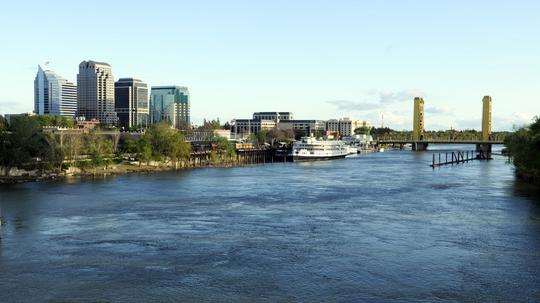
{"points": [[382, 227]]}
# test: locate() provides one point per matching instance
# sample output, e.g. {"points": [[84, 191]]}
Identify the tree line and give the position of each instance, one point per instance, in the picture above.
{"points": [[523, 149], [25, 143]]}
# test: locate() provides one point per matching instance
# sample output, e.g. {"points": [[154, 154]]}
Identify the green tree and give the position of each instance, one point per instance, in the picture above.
{"points": [[224, 145], [55, 153], [178, 149], [25, 142], [167, 143], [128, 145], [144, 151], [523, 148], [211, 125], [364, 130], [99, 149]]}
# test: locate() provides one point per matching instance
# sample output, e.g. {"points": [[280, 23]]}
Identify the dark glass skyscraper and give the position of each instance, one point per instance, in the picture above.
{"points": [[131, 102]]}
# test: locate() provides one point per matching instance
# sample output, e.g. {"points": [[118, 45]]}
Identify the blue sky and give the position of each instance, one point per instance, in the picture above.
{"points": [[318, 59]]}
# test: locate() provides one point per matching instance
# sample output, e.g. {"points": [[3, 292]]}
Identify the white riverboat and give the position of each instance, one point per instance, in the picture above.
{"points": [[312, 149]]}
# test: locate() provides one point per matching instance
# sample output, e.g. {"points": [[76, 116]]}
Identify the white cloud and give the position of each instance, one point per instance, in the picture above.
{"points": [[442, 110], [348, 105], [399, 96]]}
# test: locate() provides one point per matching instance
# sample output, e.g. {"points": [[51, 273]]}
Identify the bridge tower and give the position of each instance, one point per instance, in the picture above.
{"points": [[418, 119], [484, 149], [486, 118], [418, 125]]}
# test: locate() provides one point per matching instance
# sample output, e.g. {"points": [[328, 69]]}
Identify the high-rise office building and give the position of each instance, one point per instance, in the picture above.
{"points": [[170, 103], [54, 95], [131, 102], [95, 92]]}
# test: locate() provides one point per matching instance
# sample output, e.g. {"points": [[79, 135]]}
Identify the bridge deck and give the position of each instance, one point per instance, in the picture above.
{"points": [[439, 142]]}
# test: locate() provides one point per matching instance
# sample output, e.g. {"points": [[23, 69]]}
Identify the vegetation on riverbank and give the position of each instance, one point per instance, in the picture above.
{"points": [[523, 149], [26, 144]]}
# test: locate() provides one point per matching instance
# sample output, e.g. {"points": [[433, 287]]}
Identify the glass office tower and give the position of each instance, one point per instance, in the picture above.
{"points": [[54, 95], [131, 103], [171, 104]]}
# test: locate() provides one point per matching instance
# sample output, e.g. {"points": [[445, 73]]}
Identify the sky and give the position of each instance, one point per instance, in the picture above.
{"points": [[318, 59]]}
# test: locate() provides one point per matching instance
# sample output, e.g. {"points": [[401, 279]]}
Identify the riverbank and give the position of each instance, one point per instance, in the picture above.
{"points": [[123, 167], [523, 148]]}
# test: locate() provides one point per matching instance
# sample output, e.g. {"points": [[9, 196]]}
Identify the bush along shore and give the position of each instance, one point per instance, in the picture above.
{"points": [[28, 153], [523, 149]]}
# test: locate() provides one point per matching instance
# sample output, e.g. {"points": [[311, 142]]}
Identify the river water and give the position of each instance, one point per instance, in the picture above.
{"points": [[382, 227]]}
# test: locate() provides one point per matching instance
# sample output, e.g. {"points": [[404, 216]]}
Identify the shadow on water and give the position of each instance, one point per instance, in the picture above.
{"points": [[526, 190]]}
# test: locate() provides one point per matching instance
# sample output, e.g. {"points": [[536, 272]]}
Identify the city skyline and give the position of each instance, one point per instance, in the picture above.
{"points": [[318, 60]]}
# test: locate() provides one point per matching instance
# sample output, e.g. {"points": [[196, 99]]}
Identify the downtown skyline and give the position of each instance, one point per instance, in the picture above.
{"points": [[347, 59]]}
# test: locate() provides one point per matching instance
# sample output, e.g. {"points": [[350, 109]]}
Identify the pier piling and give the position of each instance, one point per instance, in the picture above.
{"points": [[456, 158]]}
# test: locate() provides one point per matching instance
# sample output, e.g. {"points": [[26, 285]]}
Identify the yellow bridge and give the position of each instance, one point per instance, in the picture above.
{"points": [[419, 143]]}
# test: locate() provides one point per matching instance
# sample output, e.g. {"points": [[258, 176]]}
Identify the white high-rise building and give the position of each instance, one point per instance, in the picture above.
{"points": [[95, 92], [54, 95]]}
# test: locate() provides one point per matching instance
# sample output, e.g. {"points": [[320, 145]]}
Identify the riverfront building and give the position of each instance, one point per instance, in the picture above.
{"points": [[344, 127], [171, 104], [131, 103], [275, 116], [54, 95], [306, 126], [251, 126], [269, 120], [95, 93]]}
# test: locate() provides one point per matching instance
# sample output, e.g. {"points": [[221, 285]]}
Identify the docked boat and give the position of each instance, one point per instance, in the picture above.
{"points": [[312, 149]]}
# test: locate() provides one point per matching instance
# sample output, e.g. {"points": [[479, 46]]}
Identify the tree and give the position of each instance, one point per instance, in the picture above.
{"points": [[128, 145], [3, 123], [25, 142], [224, 145], [178, 149], [363, 130], [166, 143], [276, 135], [523, 148], [99, 149], [210, 125], [55, 152], [73, 144], [54, 120], [144, 151]]}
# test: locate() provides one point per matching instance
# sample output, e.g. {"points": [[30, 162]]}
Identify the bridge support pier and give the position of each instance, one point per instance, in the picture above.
{"points": [[419, 146], [483, 151]]}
